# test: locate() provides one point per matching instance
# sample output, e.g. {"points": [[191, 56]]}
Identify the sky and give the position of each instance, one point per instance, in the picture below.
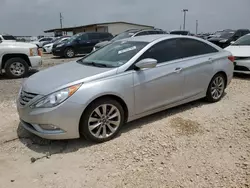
{"points": [[32, 17]]}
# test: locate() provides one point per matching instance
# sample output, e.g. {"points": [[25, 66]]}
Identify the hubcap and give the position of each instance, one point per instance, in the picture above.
{"points": [[70, 53], [104, 121], [17, 68], [217, 88]]}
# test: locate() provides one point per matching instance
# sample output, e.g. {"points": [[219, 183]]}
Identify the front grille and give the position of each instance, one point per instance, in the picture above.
{"points": [[241, 58], [241, 68], [26, 97]]}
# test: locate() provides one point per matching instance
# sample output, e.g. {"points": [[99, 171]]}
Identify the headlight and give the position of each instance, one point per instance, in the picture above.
{"points": [[59, 45], [223, 41], [94, 49], [48, 46], [33, 52], [56, 98]]}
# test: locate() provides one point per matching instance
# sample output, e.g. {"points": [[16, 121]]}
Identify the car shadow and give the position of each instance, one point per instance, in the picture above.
{"points": [[30, 73], [51, 147], [242, 76]]}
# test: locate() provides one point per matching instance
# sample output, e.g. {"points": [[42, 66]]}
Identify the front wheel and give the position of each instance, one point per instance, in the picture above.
{"points": [[16, 68], [69, 52], [216, 88], [102, 120]]}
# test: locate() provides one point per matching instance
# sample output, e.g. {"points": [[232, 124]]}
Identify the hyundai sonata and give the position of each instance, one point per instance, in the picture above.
{"points": [[121, 82]]}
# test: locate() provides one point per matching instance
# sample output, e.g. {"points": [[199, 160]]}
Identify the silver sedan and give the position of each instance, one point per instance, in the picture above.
{"points": [[121, 82]]}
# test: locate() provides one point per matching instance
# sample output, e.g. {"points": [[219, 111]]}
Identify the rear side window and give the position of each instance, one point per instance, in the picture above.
{"points": [[106, 35], [83, 37], [191, 47], [164, 51]]}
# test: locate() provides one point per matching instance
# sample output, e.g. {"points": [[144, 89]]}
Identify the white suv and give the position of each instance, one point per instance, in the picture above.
{"points": [[16, 58], [7, 38]]}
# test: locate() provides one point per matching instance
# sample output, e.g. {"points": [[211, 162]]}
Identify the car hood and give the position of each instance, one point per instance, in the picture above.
{"points": [[17, 44], [64, 75], [100, 44], [239, 51]]}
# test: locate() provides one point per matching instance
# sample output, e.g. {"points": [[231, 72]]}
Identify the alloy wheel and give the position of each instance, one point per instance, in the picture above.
{"points": [[104, 121], [217, 87]]}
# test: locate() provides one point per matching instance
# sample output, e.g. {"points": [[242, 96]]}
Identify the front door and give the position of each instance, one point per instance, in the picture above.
{"points": [[162, 85]]}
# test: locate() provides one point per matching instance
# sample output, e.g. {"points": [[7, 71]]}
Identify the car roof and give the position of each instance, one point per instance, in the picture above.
{"points": [[151, 38]]}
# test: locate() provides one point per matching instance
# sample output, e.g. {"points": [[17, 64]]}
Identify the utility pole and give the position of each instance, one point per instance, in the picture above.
{"points": [[61, 19], [184, 24], [196, 30], [180, 27]]}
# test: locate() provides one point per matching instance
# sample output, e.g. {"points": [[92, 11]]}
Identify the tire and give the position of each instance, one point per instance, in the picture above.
{"points": [[69, 53], [214, 88], [91, 120], [16, 68]]}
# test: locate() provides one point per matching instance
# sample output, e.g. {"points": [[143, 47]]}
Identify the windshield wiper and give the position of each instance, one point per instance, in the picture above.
{"points": [[93, 64]]}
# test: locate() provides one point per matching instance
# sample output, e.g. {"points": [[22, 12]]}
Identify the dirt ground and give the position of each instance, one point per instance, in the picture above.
{"points": [[194, 145]]}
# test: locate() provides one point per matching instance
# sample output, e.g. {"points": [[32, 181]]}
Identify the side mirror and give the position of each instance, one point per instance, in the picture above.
{"points": [[146, 63], [232, 42]]}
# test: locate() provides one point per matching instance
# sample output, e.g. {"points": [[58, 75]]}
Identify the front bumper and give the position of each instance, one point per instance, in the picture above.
{"points": [[35, 61], [242, 66], [65, 118], [58, 52]]}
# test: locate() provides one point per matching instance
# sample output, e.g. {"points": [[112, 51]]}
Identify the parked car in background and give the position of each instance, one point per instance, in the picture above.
{"points": [[41, 41], [123, 81], [180, 32], [241, 52], [81, 43], [8, 38], [16, 58], [130, 33], [48, 47], [224, 38]]}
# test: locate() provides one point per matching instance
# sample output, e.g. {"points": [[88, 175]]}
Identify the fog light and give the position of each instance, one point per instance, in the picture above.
{"points": [[49, 127]]}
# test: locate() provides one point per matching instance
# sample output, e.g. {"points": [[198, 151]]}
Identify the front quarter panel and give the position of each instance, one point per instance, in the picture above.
{"points": [[120, 85]]}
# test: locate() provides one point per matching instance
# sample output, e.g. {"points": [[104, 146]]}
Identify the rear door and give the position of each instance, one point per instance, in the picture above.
{"points": [[83, 44], [197, 67], [162, 85]]}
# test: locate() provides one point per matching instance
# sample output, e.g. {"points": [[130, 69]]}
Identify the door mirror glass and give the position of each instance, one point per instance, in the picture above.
{"points": [[146, 63]]}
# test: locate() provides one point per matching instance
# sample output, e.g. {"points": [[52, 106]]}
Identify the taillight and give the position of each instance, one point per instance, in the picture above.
{"points": [[231, 58]]}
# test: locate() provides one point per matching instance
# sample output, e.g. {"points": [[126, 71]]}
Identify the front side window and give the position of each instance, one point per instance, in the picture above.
{"points": [[143, 33], [192, 47], [114, 55], [243, 41], [163, 51]]}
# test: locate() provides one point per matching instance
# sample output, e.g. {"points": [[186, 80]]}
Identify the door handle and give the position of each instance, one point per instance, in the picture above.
{"points": [[178, 70]]}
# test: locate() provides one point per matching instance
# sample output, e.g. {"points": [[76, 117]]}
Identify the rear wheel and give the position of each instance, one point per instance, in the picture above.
{"points": [[102, 120], [69, 52], [216, 88], [16, 68]]}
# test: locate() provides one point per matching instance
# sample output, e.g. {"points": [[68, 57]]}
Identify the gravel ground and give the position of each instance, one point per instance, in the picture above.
{"points": [[194, 145]]}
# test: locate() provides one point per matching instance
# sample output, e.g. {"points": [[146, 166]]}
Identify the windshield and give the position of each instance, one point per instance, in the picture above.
{"points": [[8, 37], [245, 40], [74, 37], [115, 54], [224, 34], [179, 32], [123, 36]]}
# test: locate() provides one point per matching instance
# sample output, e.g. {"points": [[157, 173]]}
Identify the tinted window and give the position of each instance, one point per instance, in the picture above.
{"points": [[83, 37], [142, 33], [153, 32], [106, 35], [244, 32], [179, 32], [8, 37], [42, 40], [164, 51], [94, 36], [191, 47]]}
